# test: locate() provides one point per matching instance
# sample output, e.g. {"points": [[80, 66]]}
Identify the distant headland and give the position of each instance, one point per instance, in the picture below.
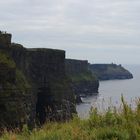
{"points": [[110, 71]]}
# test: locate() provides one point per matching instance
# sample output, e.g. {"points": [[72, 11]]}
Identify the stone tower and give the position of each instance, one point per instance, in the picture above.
{"points": [[5, 39]]}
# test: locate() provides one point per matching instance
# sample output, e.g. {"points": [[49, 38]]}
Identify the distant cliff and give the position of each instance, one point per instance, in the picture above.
{"points": [[33, 85], [110, 71], [83, 81]]}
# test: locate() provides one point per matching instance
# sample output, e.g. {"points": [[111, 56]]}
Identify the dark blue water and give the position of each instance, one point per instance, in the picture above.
{"points": [[110, 93]]}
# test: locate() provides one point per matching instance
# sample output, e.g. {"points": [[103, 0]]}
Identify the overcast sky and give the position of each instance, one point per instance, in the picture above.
{"points": [[102, 31]]}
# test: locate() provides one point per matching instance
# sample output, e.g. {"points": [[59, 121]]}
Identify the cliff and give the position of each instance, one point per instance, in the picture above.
{"points": [[82, 80], [42, 90], [110, 71]]}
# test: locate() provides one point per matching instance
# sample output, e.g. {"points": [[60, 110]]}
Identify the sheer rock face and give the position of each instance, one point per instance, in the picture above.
{"points": [[82, 80], [110, 71], [46, 93], [74, 67]]}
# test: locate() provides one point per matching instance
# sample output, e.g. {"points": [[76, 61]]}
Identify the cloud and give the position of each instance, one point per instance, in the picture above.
{"points": [[74, 25]]}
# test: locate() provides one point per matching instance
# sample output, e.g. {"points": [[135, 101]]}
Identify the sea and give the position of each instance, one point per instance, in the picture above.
{"points": [[110, 93]]}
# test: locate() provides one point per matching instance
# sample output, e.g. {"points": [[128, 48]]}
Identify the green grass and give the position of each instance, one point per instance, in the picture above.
{"points": [[8, 65], [122, 124], [6, 60]]}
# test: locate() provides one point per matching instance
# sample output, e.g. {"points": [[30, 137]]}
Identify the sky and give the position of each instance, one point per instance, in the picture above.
{"points": [[101, 31]]}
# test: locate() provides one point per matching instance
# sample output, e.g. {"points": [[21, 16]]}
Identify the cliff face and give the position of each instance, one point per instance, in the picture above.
{"points": [[48, 94], [110, 71], [15, 101], [83, 81], [74, 67]]}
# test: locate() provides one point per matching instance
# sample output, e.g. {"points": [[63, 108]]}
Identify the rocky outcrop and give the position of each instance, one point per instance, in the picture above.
{"points": [[110, 71], [42, 90], [82, 80]]}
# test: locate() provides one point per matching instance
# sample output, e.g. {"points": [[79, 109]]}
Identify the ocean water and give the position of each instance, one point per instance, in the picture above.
{"points": [[110, 93]]}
